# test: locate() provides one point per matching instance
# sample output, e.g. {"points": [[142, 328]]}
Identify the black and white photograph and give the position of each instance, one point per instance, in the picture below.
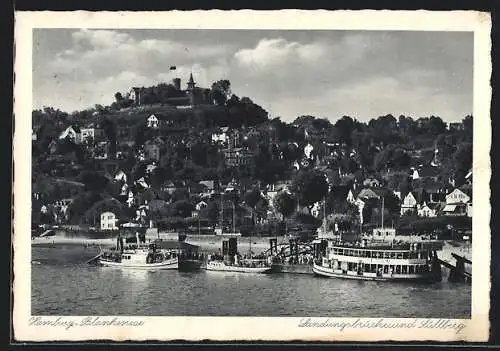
{"points": [[255, 172]]}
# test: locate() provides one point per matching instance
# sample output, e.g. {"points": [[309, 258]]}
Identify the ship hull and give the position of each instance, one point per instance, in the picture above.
{"points": [[292, 268], [170, 264], [429, 277], [237, 269]]}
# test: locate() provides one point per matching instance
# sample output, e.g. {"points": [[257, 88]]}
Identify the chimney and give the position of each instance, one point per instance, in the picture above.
{"points": [[177, 83]]}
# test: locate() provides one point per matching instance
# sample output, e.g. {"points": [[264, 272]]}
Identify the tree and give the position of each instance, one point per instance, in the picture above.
{"points": [[181, 208], [462, 160], [211, 211], [407, 126], [468, 124], [344, 128], [285, 203], [109, 128], [118, 98], [93, 181], [158, 177], [310, 187], [257, 203], [221, 91], [252, 197]]}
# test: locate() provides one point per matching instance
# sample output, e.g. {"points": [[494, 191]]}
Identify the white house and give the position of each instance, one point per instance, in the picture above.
{"points": [[152, 122], [360, 203], [151, 167], [350, 197], [409, 203], [121, 176], [459, 202], [308, 149], [124, 189], [425, 211], [73, 133], [108, 221], [371, 182], [201, 205], [91, 133], [316, 209], [142, 212], [220, 136], [142, 182], [457, 196], [130, 199], [414, 174]]}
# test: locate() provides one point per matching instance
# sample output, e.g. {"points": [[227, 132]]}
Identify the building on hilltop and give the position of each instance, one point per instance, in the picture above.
{"points": [[174, 96]]}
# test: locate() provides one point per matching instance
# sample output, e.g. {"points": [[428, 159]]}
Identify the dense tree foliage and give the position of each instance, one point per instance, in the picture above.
{"points": [[310, 187], [343, 151]]}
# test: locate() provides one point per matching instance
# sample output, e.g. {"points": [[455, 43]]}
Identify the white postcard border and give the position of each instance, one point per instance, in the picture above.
{"points": [[253, 328]]}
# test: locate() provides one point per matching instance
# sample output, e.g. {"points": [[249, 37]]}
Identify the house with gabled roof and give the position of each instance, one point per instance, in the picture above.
{"points": [[409, 203], [372, 182], [221, 135], [459, 202], [120, 176], [459, 195], [427, 210], [152, 122], [72, 133], [92, 133]]}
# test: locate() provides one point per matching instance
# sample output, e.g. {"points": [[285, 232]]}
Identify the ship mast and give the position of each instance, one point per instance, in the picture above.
{"points": [[234, 219], [324, 215], [382, 226], [221, 212]]}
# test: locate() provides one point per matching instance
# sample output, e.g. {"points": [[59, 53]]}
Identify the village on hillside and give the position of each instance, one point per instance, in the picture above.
{"points": [[204, 161]]}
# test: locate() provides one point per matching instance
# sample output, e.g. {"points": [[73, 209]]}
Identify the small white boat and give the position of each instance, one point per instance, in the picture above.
{"points": [[137, 256], [140, 258], [221, 266]]}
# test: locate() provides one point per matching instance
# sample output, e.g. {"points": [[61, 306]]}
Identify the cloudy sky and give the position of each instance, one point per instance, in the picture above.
{"points": [[363, 74]]}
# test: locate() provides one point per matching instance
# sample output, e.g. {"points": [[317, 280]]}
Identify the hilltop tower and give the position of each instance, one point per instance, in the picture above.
{"points": [[191, 90]]}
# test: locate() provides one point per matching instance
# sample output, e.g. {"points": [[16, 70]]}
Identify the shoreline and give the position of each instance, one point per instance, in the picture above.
{"points": [[209, 243], [214, 243]]}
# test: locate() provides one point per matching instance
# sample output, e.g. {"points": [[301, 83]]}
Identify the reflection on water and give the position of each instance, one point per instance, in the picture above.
{"points": [[63, 284]]}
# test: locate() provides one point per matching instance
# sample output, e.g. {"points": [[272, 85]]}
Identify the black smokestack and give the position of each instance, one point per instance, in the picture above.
{"points": [[177, 83]]}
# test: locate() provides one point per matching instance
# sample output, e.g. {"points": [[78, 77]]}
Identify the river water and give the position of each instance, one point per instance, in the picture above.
{"points": [[63, 284]]}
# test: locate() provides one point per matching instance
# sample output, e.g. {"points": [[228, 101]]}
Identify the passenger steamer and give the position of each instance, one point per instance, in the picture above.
{"points": [[380, 258]]}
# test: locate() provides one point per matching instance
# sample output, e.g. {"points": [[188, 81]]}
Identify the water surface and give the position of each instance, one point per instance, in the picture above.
{"points": [[63, 284]]}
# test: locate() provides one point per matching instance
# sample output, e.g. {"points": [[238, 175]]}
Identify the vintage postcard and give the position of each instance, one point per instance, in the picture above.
{"points": [[252, 175]]}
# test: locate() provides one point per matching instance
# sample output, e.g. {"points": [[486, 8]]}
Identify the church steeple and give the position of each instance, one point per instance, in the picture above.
{"points": [[191, 82]]}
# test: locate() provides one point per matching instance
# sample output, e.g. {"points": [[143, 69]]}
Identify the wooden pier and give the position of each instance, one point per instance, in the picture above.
{"points": [[457, 271]]}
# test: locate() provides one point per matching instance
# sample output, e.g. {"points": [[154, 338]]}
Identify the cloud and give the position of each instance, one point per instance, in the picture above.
{"points": [[324, 73], [101, 62], [273, 52]]}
